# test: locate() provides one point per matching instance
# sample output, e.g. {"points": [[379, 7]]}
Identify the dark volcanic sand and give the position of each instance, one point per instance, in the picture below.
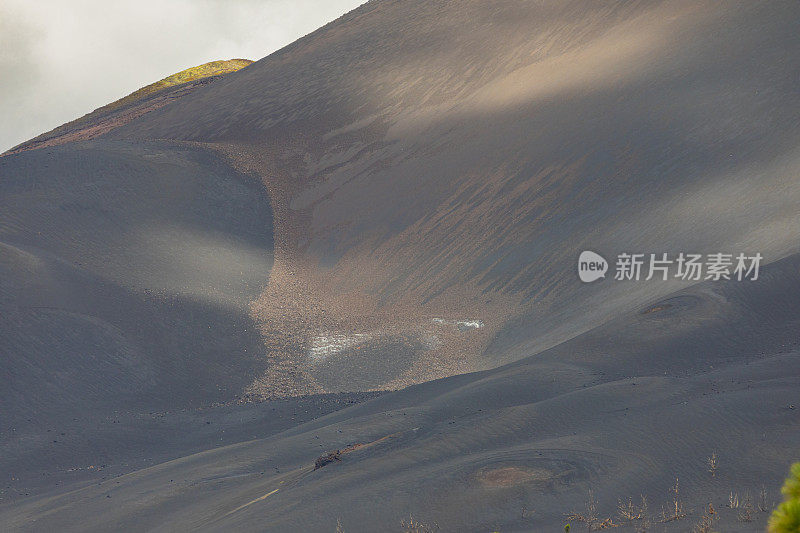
{"points": [[322, 222]]}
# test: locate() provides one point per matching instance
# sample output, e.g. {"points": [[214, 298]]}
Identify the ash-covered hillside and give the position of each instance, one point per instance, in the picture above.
{"points": [[397, 202]]}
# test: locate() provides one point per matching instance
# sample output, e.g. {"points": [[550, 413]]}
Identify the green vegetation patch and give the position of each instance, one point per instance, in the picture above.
{"points": [[786, 518], [206, 70]]}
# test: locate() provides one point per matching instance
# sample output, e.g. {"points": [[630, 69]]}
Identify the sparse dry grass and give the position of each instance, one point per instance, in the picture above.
{"points": [[762, 500], [632, 514], [412, 525], [747, 510], [733, 500], [706, 521], [712, 464], [591, 519], [675, 510]]}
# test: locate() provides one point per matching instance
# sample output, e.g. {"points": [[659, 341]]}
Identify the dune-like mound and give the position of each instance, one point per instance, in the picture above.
{"points": [[197, 287]]}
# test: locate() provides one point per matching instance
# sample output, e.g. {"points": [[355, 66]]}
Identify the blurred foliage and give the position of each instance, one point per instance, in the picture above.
{"points": [[786, 517]]}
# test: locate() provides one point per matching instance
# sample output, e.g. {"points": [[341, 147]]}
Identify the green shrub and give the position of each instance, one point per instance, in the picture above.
{"points": [[786, 517], [791, 489]]}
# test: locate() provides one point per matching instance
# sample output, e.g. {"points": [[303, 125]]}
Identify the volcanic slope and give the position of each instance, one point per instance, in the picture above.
{"points": [[623, 410], [431, 172], [450, 160]]}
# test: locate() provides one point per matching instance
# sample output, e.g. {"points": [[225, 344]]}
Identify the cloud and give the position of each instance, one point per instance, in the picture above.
{"points": [[60, 60]]}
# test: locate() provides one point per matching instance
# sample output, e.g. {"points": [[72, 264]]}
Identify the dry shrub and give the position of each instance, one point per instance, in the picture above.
{"points": [[675, 510], [411, 525], [593, 523], [706, 521]]}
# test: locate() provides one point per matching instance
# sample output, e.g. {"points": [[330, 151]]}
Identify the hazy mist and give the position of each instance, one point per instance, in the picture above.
{"points": [[61, 60]]}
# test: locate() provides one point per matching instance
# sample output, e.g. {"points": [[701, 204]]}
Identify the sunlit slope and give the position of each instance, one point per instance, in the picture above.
{"points": [[212, 68], [450, 160]]}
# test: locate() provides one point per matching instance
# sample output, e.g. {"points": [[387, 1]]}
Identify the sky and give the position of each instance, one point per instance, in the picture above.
{"points": [[61, 59]]}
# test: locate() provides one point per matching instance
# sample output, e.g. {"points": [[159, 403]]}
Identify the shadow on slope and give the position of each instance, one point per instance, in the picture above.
{"points": [[623, 409], [126, 271], [420, 165]]}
